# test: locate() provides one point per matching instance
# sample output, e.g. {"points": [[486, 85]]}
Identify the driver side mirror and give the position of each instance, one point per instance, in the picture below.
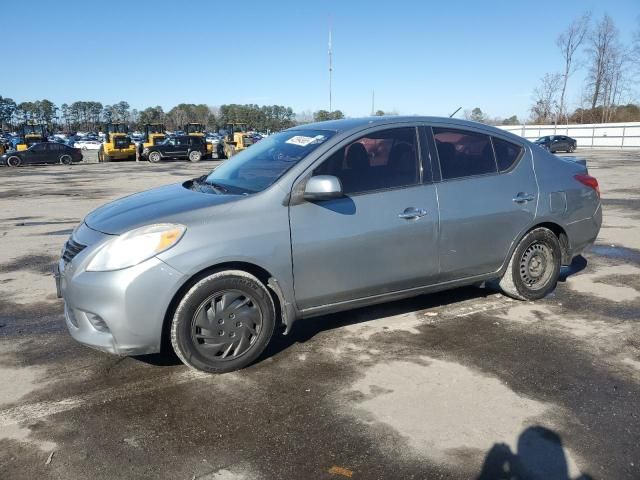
{"points": [[323, 187]]}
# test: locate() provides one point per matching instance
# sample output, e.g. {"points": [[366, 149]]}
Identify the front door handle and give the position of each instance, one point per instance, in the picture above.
{"points": [[411, 213], [523, 197]]}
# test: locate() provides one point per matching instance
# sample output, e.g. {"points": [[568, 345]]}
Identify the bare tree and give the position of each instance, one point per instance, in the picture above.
{"points": [[545, 99], [616, 80], [569, 42], [602, 41]]}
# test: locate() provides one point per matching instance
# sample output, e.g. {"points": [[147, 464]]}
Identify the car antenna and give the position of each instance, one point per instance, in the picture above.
{"points": [[455, 112]]}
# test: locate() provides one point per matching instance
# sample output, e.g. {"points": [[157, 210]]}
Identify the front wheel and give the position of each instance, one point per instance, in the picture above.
{"points": [[534, 267], [223, 323], [195, 156], [14, 161], [155, 157]]}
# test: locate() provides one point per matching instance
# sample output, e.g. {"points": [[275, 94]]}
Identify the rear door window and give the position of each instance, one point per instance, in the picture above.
{"points": [[507, 153], [463, 153]]}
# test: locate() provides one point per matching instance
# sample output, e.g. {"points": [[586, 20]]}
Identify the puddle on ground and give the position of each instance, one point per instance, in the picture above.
{"points": [[612, 251]]}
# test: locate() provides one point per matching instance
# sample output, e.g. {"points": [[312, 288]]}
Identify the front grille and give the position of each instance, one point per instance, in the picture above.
{"points": [[71, 249]]}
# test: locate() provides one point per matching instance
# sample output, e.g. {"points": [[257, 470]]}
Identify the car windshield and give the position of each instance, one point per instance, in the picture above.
{"points": [[257, 167], [542, 139]]}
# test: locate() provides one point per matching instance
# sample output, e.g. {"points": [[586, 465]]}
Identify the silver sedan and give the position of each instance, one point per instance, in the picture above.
{"points": [[317, 219]]}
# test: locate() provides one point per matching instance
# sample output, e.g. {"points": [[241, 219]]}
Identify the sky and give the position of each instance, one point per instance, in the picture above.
{"points": [[420, 57]]}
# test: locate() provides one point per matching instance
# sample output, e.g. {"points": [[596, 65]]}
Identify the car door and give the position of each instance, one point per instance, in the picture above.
{"points": [[182, 146], [53, 152], [36, 153], [381, 236], [487, 197]]}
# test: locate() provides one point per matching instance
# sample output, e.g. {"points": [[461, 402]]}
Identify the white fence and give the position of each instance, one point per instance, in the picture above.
{"points": [[594, 135]]}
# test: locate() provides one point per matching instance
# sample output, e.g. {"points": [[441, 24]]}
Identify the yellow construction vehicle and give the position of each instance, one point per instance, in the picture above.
{"points": [[197, 130], [31, 133], [236, 139], [117, 144], [153, 135]]}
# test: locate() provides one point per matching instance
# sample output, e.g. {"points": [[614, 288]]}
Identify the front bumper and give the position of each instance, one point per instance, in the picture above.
{"points": [[120, 312]]}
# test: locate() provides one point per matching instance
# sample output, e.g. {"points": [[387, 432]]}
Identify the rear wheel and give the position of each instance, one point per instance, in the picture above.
{"points": [[65, 159], [195, 156], [223, 323], [534, 267], [14, 161], [155, 157]]}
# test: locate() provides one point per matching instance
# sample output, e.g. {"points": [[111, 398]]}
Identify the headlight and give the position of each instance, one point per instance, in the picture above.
{"points": [[146, 150], [136, 246]]}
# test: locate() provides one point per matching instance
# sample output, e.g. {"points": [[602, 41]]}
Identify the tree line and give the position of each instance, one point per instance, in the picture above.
{"points": [[89, 115]]}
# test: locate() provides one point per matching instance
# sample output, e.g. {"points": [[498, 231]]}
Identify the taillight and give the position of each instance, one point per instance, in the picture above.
{"points": [[588, 181]]}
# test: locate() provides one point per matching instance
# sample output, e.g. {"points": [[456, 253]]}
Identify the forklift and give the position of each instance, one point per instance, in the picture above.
{"points": [[31, 133], [153, 135], [197, 130], [117, 144], [236, 139]]}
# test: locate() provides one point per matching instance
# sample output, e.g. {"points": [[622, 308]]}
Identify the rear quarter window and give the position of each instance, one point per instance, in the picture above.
{"points": [[507, 153]]}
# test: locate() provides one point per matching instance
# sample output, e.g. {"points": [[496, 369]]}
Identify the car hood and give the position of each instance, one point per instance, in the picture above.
{"points": [[169, 204]]}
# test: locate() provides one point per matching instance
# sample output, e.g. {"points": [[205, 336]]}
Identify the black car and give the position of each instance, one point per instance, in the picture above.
{"points": [[46, 152], [181, 146], [553, 143]]}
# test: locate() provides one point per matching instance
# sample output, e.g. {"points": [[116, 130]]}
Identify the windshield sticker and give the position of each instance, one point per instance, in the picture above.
{"points": [[303, 141]]}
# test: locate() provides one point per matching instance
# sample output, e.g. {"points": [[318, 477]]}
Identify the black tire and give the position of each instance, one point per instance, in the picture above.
{"points": [[14, 161], [223, 322], [154, 157], [195, 156], [65, 159], [534, 266]]}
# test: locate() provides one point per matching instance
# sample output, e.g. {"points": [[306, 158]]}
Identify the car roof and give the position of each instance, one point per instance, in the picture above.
{"points": [[344, 125]]}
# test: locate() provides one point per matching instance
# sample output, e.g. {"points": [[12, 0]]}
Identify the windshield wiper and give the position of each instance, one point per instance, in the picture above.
{"points": [[216, 186]]}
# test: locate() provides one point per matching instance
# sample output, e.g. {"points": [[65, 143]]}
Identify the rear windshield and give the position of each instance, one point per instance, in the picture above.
{"points": [[258, 166]]}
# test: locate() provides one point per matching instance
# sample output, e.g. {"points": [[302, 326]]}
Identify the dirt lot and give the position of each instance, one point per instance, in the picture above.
{"points": [[463, 384]]}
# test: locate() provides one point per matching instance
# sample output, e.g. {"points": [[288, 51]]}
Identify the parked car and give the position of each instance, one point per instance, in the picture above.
{"points": [[183, 146], [554, 143], [47, 152], [321, 218], [88, 144]]}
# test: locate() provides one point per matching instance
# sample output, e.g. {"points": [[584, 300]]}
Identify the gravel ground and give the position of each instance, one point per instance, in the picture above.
{"points": [[461, 384]]}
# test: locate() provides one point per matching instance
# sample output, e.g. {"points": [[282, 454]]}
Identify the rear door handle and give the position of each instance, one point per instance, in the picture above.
{"points": [[411, 213], [523, 197]]}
